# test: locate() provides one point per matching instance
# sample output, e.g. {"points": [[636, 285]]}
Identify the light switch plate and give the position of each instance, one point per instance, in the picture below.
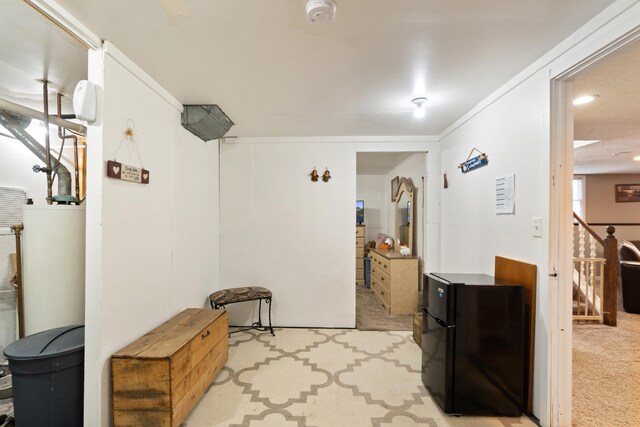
{"points": [[536, 226]]}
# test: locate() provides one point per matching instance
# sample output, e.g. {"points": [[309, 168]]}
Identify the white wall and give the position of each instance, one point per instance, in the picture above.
{"points": [[601, 206], [278, 229], [513, 127], [373, 190], [152, 250], [514, 133], [283, 231]]}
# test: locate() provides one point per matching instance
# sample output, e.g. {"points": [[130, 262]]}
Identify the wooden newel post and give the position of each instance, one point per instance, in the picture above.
{"points": [[610, 306]]}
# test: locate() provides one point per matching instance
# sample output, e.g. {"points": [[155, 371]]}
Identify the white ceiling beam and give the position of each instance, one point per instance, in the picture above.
{"points": [[66, 22]]}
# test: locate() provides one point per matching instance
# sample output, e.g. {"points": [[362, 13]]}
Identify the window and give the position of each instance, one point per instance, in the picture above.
{"points": [[578, 195]]}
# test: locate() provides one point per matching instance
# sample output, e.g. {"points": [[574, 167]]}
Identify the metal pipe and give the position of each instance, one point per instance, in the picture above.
{"points": [[17, 229], [33, 114], [47, 147], [6, 135], [17, 125]]}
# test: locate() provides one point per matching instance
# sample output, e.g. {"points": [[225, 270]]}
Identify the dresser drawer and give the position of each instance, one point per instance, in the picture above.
{"points": [[359, 252], [381, 290], [375, 270], [381, 295], [359, 242], [381, 262], [382, 277], [359, 273], [360, 232]]}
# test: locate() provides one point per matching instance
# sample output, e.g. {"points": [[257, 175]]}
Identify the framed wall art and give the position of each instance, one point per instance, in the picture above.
{"points": [[627, 193]]}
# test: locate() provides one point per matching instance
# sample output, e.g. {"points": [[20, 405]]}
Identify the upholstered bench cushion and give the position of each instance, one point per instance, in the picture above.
{"points": [[231, 295]]}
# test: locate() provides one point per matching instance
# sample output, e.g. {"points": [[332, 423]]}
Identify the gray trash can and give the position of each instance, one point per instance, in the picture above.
{"points": [[48, 377]]}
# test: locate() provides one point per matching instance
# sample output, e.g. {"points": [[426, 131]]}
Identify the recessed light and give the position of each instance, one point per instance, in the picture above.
{"points": [[581, 100], [637, 158], [420, 110], [582, 143]]}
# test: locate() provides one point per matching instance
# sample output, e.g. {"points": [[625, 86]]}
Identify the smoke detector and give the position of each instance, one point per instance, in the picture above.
{"points": [[321, 12]]}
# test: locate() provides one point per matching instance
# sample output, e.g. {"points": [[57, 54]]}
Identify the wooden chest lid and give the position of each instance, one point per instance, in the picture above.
{"points": [[171, 336]]}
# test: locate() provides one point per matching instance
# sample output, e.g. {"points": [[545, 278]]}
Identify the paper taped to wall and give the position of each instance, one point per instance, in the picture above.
{"points": [[505, 194]]}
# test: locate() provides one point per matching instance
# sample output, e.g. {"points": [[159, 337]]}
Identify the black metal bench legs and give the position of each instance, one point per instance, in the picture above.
{"points": [[224, 297]]}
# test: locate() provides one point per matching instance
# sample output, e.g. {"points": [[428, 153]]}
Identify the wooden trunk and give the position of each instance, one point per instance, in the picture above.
{"points": [[157, 379]]}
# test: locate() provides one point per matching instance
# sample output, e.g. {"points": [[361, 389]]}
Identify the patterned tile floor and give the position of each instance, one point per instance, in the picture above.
{"points": [[325, 378]]}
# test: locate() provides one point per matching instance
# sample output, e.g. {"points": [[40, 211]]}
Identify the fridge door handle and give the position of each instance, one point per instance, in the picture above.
{"points": [[439, 321]]}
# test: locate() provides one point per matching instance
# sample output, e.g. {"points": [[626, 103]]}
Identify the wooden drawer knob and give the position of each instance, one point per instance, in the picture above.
{"points": [[206, 334]]}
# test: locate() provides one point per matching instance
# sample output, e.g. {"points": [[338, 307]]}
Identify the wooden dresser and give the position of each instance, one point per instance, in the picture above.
{"points": [[394, 281], [157, 379], [360, 254]]}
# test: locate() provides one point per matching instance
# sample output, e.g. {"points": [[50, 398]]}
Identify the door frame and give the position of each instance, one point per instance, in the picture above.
{"points": [[561, 232], [560, 262]]}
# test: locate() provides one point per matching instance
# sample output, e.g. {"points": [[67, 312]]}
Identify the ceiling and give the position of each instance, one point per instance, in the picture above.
{"points": [[613, 118], [32, 49], [276, 75]]}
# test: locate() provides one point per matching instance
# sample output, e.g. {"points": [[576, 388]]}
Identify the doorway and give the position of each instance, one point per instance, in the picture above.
{"points": [[375, 172], [596, 142]]}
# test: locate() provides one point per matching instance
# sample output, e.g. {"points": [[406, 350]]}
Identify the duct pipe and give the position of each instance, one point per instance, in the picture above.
{"points": [[33, 114], [17, 126], [62, 135]]}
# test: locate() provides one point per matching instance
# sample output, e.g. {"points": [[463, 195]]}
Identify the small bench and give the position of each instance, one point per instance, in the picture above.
{"points": [[223, 297]]}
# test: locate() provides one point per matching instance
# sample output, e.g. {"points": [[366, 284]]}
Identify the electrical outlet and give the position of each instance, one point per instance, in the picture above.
{"points": [[536, 226]]}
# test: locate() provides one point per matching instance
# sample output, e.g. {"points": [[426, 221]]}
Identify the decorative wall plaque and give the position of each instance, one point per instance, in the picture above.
{"points": [[475, 162], [125, 172], [129, 173]]}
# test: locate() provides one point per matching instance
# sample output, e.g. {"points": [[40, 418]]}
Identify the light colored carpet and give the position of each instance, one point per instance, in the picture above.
{"points": [[325, 378], [370, 316], [606, 373]]}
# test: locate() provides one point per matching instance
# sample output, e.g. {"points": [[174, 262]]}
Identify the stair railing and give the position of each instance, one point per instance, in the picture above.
{"points": [[595, 278]]}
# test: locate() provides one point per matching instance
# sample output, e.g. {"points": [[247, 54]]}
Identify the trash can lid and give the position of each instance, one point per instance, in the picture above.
{"points": [[51, 343]]}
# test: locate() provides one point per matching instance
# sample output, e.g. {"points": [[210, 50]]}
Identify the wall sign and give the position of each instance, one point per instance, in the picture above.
{"points": [[125, 172], [129, 173], [474, 163]]}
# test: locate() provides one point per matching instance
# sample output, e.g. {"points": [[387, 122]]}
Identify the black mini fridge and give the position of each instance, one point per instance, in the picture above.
{"points": [[473, 344]]}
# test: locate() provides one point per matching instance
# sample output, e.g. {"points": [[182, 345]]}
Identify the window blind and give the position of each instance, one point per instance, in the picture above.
{"points": [[12, 201]]}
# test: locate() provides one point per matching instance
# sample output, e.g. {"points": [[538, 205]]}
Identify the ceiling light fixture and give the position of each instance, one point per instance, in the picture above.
{"points": [[637, 158], [420, 110], [581, 100], [321, 12], [584, 142]]}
